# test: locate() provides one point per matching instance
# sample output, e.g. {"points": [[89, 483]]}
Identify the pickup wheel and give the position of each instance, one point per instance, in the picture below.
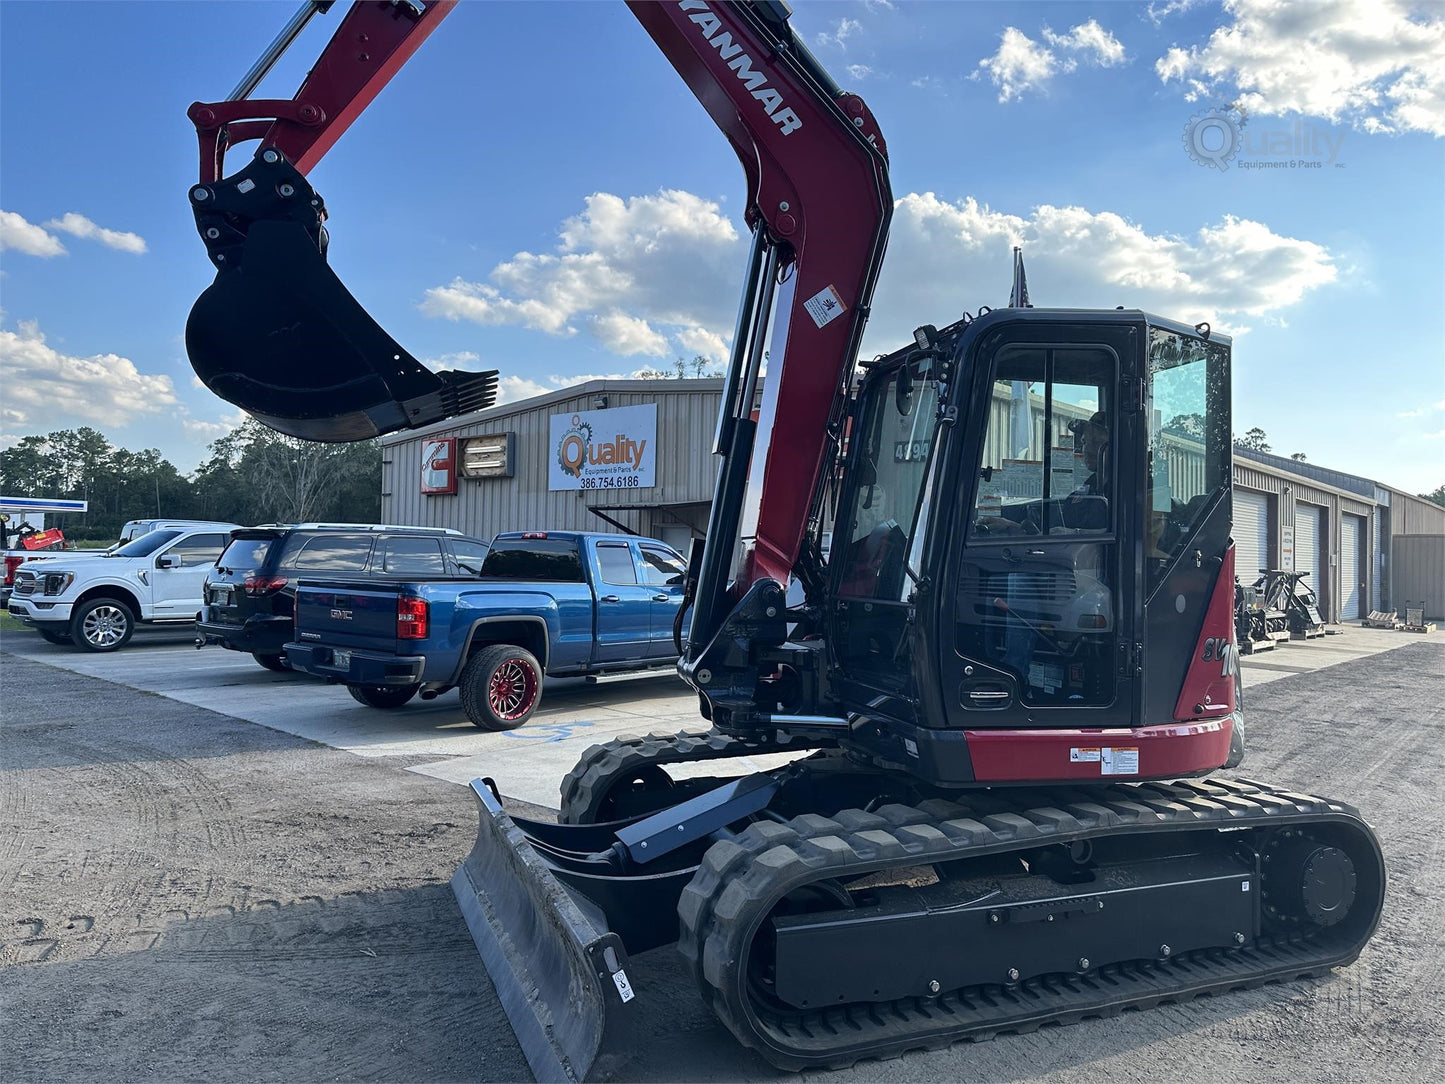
{"points": [[500, 687], [55, 636], [382, 696], [102, 624], [271, 661]]}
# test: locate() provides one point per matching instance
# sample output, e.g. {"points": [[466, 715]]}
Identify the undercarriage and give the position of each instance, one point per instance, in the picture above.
{"points": [[831, 912]]}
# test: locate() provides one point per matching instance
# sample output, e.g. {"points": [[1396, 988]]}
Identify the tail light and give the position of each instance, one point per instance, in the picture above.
{"points": [[411, 619], [263, 585]]}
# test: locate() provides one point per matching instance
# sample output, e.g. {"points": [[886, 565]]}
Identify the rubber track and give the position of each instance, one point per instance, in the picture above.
{"points": [[741, 879], [586, 786]]}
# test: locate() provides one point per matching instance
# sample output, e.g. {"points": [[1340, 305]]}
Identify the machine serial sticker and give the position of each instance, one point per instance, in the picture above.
{"points": [[1083, 756], [1119, 761], [624, 988], [825, 306]]}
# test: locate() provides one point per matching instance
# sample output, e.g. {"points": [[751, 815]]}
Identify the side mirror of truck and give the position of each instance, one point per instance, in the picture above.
{"points": [[168, 560]]}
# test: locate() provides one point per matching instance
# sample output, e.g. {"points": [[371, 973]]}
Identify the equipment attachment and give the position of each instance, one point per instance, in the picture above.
{"points": [[278, 334], [556, 966]]}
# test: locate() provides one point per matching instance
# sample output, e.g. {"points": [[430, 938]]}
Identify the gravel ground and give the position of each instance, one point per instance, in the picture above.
{"points": [[184, 896]]}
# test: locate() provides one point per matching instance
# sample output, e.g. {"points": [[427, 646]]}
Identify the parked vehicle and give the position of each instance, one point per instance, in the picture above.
{"points": [[96, 602], [249, 597], [558, 603], [134, 528]]}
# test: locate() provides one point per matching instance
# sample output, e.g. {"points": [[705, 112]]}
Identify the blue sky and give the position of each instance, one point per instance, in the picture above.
{"points": [[537, 192]]}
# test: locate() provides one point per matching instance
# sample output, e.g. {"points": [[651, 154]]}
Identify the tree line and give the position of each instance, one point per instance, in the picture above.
{"points": [[252, 475]]}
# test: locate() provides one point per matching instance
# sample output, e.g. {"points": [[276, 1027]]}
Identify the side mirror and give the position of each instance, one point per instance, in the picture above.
{"points": [[168, 560]]}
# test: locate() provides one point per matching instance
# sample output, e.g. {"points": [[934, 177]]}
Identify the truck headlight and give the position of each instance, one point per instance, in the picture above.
{"points": [[55, 583]]}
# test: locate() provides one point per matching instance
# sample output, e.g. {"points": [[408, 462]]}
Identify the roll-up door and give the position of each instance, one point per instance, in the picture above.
{"points": [[1352, 532], [1307, 547], [1251, 534]]}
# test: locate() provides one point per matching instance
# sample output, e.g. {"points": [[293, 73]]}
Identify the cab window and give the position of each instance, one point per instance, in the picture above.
{"points": [[199, 549], [615, 561], [1047, 462], [467, 557], [412, 557], [663, 569]]}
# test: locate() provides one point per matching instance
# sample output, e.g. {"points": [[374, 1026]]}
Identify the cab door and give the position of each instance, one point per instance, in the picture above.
{"points": [[179, 572], [665, 573], [624, 604], [1046, 529]]}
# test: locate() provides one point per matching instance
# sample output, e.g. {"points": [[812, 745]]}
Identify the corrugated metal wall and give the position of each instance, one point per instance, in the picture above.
{"points": [[685, 470], [1417, 574]]}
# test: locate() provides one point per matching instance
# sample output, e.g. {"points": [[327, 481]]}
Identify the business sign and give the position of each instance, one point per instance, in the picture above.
{"points": [[604, 449], [439, 465], [1286, 548], [490, 456]]}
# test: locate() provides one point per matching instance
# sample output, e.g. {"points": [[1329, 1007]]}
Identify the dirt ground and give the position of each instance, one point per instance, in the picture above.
{"points": [[185, 896]]}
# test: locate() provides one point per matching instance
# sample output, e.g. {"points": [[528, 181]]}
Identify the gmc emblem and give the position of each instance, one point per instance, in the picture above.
{"points": [[341, 615]]}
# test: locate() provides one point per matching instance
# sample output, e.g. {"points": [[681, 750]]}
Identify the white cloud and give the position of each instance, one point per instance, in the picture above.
{"points": [[1156, 13], [1022, 64], [840, 34], [45, 389], [1420, 412], [878, 5], [631, 272], [209, 431], [80, 226], [22, 236], [457, 359], [512, 388], [859, 71], [627, 335], [1090, 39], [946, 257], [642, 290], [1366, 62], [1439, 434]]}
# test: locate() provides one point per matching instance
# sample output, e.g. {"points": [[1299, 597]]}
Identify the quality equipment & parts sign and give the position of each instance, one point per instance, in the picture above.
{"points": [[604, 449]]}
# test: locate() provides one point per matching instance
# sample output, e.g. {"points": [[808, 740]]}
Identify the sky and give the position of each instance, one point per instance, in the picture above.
{"points": [[538, 192]]}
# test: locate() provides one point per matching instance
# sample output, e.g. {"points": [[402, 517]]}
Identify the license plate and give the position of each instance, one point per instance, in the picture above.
{"points": [[341, 658], [221, 596]]}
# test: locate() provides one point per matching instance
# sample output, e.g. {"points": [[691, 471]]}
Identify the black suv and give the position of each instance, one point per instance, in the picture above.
{"points": [[249, 597]]}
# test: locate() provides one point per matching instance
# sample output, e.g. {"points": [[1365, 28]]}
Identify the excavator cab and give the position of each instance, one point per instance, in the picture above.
{"points": [[1031, 499]]}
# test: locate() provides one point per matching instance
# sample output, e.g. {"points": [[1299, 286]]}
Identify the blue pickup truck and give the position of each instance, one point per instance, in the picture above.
{"points": [[560, 603]]}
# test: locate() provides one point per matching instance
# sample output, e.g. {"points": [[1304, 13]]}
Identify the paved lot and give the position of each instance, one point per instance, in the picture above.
{"points": [[187, 895], [436, 737]]}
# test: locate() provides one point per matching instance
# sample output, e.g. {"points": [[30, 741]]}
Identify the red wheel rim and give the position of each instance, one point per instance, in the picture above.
{"points": [[512, 689]]}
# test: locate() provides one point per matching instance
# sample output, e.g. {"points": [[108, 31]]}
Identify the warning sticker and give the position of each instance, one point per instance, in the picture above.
{"points": [[1084, 756], [624, 988], [825, 306], [1119, 761]]}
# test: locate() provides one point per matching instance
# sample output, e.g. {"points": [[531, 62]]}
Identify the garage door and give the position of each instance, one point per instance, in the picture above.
{"points": [[1307, 539], [1352, 533], [1251, 534]]}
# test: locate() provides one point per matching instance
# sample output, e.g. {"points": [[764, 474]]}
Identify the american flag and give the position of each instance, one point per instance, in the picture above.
{"points": [[1018, 297]]}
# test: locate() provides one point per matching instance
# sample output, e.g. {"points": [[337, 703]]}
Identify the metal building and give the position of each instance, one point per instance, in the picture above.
{"points": [[629, 455], [636, 456]]}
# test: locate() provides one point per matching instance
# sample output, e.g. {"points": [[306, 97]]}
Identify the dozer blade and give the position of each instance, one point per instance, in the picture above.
{"points": [[277, 333], [556, 966]]}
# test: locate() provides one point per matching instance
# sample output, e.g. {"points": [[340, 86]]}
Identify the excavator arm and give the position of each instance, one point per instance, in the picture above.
{"points": [[279, 335]]}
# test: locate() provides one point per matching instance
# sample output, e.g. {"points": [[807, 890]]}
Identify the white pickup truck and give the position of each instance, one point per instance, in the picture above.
{"points": [[95, 602]]}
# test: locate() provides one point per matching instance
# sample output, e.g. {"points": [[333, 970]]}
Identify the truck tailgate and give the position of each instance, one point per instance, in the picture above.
{"points": [[342, 614]]}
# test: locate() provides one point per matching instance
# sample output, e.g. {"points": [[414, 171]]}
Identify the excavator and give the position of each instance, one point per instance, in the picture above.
{"points": [[1008, 683]]}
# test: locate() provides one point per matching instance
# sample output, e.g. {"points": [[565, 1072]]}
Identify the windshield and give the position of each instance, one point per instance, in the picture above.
{"points": [[145, 545], [246, 553], [888, 508]]}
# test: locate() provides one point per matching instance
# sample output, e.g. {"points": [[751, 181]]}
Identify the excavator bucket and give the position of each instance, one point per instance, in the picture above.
{"points": [[277, 333], [559, 972]]}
